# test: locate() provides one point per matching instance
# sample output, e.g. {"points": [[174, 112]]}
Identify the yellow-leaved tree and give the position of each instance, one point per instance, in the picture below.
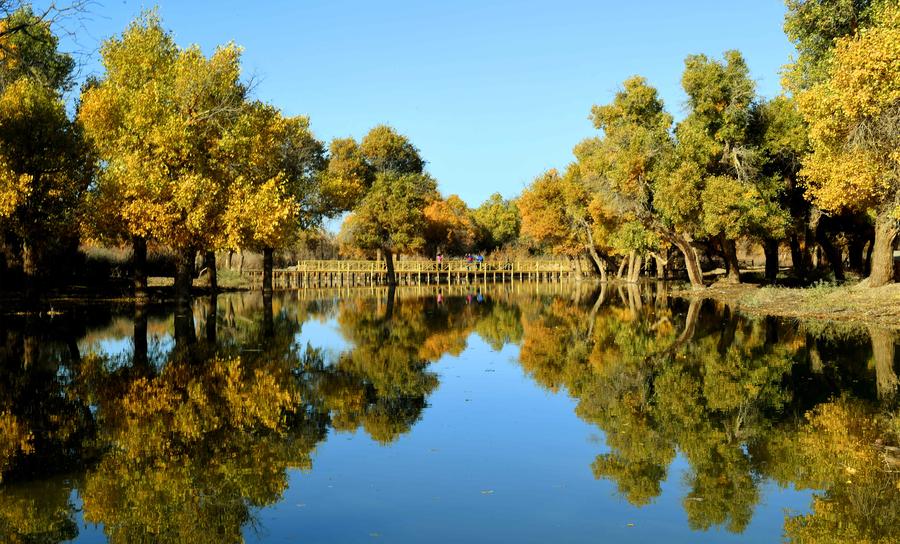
{"points": [[273, 162], [45, 165], [156, 117], [853, 111], [449, 227]]}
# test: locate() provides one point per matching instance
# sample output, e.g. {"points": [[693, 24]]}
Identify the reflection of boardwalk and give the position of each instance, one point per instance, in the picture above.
{"points": [[498, 291], [308, 274]]}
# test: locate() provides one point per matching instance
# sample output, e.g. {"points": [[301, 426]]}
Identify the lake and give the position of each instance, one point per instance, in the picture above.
{"points": [[501, 413]]}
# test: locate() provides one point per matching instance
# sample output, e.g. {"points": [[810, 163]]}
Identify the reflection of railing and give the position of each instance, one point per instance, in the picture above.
{"points": [[344, 273]]}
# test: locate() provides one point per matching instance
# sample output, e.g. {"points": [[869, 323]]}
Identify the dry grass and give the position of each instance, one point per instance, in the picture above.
{"points": [[228, 279], [823, 301]]}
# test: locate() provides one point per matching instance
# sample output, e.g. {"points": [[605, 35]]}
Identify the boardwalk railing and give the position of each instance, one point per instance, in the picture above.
{"points": [[339, 273]]}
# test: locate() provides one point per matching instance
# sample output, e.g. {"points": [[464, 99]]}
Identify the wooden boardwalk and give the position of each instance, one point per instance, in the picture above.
{"points": [[338, 273]]}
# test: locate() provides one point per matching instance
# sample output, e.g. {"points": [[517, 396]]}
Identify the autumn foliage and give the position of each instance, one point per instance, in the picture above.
{"points": [[168, 147]]}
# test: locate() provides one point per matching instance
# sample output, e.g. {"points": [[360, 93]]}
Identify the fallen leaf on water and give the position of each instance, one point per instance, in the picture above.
{"points": [[487, 492]]}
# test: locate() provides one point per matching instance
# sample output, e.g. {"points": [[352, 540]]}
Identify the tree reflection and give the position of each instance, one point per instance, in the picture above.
{"points": [[729, 393], [38, 513], [382, 383], [195, 446], [850, 450], [195, 425]]}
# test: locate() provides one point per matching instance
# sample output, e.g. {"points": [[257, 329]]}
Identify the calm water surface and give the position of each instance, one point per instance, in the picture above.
{"points": [[524, 414]]}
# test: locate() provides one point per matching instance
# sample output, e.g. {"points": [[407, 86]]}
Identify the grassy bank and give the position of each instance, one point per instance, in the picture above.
{"points": [[228, 280], [853, 303]]}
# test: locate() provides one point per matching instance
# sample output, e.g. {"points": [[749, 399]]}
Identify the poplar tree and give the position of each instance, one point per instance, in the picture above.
{"points": [[156, 116], [389, 217], [272, 163], [847, 82], [45, 163]]}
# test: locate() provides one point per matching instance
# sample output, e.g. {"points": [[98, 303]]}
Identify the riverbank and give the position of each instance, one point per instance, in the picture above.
{"points": [[160, 291], [848, 303]]}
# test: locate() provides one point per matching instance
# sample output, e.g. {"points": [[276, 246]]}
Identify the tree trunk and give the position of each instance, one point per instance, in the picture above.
{"points": [[209, 260], [690, 322], [729, 248], [140, 358], [389, 261], [29, 261], [770, 248], [631, 261], [212, 320], [883, 353], [241, 262], [391, 294], [800, 258], [184, 314], [856, 246], [660, 267], [691, 260], [30, 270], [139, 267], [578, 268], [636, 269], [869, 249], [268, 265], [832, 253], [635, 304], [592, 318], [621, 268], [662, 294], [598, 262], [883, 251], [268, 325]]}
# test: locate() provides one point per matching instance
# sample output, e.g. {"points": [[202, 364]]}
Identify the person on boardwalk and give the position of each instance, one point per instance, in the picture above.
{"points": [[479, 261], [440, 260], [469, 260]]}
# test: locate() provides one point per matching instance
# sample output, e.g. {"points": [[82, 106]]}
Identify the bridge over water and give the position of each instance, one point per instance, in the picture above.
{"points": [[341, 273]]}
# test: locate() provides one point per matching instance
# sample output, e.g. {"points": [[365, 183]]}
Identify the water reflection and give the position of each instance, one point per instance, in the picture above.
{"points": [[170, 428]]}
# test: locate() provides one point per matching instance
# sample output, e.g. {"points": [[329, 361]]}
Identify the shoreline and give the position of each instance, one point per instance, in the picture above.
{"points": [[848, 303]]}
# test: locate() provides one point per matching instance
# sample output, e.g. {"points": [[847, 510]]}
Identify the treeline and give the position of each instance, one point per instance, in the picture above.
{"points": [[167, 148], [818, 166]]}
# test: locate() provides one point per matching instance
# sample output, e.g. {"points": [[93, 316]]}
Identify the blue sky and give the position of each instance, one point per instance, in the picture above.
{"points": [[492, 92]]}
